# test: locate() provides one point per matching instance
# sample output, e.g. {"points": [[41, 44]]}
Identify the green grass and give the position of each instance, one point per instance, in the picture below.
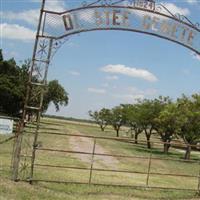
{"points": [[42, 190], [23, 191]]}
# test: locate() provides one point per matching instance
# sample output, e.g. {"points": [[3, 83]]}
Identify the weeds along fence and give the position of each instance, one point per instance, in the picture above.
{"points": [[133, 165]]}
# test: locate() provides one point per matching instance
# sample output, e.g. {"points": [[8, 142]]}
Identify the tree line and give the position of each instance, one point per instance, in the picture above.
{"points": [[13, 85], [169, 119]]}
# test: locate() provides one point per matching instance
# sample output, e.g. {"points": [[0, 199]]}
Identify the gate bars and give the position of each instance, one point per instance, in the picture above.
{"points": [[94, 153]]}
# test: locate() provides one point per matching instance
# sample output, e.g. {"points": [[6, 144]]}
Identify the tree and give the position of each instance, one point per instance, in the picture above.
{"points": [[101, 117], [132, 120], [188, 119], [56, 94], [148, 111], [117, 118], [1, 55], [167, 124], [13, 81], [11, 88]]}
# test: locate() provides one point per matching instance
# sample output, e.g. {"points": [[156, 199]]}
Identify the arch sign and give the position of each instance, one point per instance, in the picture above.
{"points": [[138, 16], [142, 16]]}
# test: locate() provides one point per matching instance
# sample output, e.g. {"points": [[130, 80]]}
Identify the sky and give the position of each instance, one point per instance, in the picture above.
{"points": [[105, 68]]}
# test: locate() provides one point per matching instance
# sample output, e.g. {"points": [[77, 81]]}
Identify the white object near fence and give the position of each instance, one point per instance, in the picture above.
{"points": [[6, 126]]}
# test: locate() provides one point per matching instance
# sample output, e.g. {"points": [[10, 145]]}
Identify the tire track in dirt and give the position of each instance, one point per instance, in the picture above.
{"points": [[85, 144]]}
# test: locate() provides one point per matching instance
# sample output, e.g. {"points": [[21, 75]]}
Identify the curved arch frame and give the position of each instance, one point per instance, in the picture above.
{"points": [[46, 46], [176, 18]]}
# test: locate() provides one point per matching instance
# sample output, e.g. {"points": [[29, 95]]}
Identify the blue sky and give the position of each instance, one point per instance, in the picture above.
{"points": [[105, 68]]}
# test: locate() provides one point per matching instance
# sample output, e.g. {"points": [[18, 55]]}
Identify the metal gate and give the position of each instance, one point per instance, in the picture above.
{"points": [[82, 160], [54, 29]]}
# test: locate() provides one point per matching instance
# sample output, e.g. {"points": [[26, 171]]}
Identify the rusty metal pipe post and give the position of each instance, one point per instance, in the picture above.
{"points": [[19, 134], [149, 169], [92, 161], [39, 113]]}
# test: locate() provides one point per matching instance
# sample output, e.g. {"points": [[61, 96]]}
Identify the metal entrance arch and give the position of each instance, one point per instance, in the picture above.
{"points": [[54, 28]]}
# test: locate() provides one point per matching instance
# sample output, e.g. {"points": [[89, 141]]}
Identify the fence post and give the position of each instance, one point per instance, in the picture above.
{"points": [[16, 152], [149, 168], [198, 187], [92, 161]]}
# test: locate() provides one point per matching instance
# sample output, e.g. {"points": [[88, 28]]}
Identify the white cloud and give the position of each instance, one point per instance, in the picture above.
{"points": [[32, 16], [97, 90], [128, 98], [106, 85], [55, 5], [29, 16], [112, 77], [11, 54], [192, 1], [174, 9], [74, 73], [146, 92], [150, 92], [17, 32], [132, 72], [131, 94]]}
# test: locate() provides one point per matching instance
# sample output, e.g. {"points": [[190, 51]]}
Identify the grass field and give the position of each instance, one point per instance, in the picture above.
{"points": [[42, 190]]}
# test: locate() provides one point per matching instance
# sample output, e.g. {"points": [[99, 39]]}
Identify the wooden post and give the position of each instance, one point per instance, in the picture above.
{"points": [[16, 152], [198, 187], [92, 161], [149, 168]]}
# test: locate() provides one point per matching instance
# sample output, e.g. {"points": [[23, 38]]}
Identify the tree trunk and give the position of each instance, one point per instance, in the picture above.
{"points": [[136, 137], [166, 147], [37, 117], [117, 131], [102, 128], [148, 135], [148, 143], [187, 153], [166, 144]]}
